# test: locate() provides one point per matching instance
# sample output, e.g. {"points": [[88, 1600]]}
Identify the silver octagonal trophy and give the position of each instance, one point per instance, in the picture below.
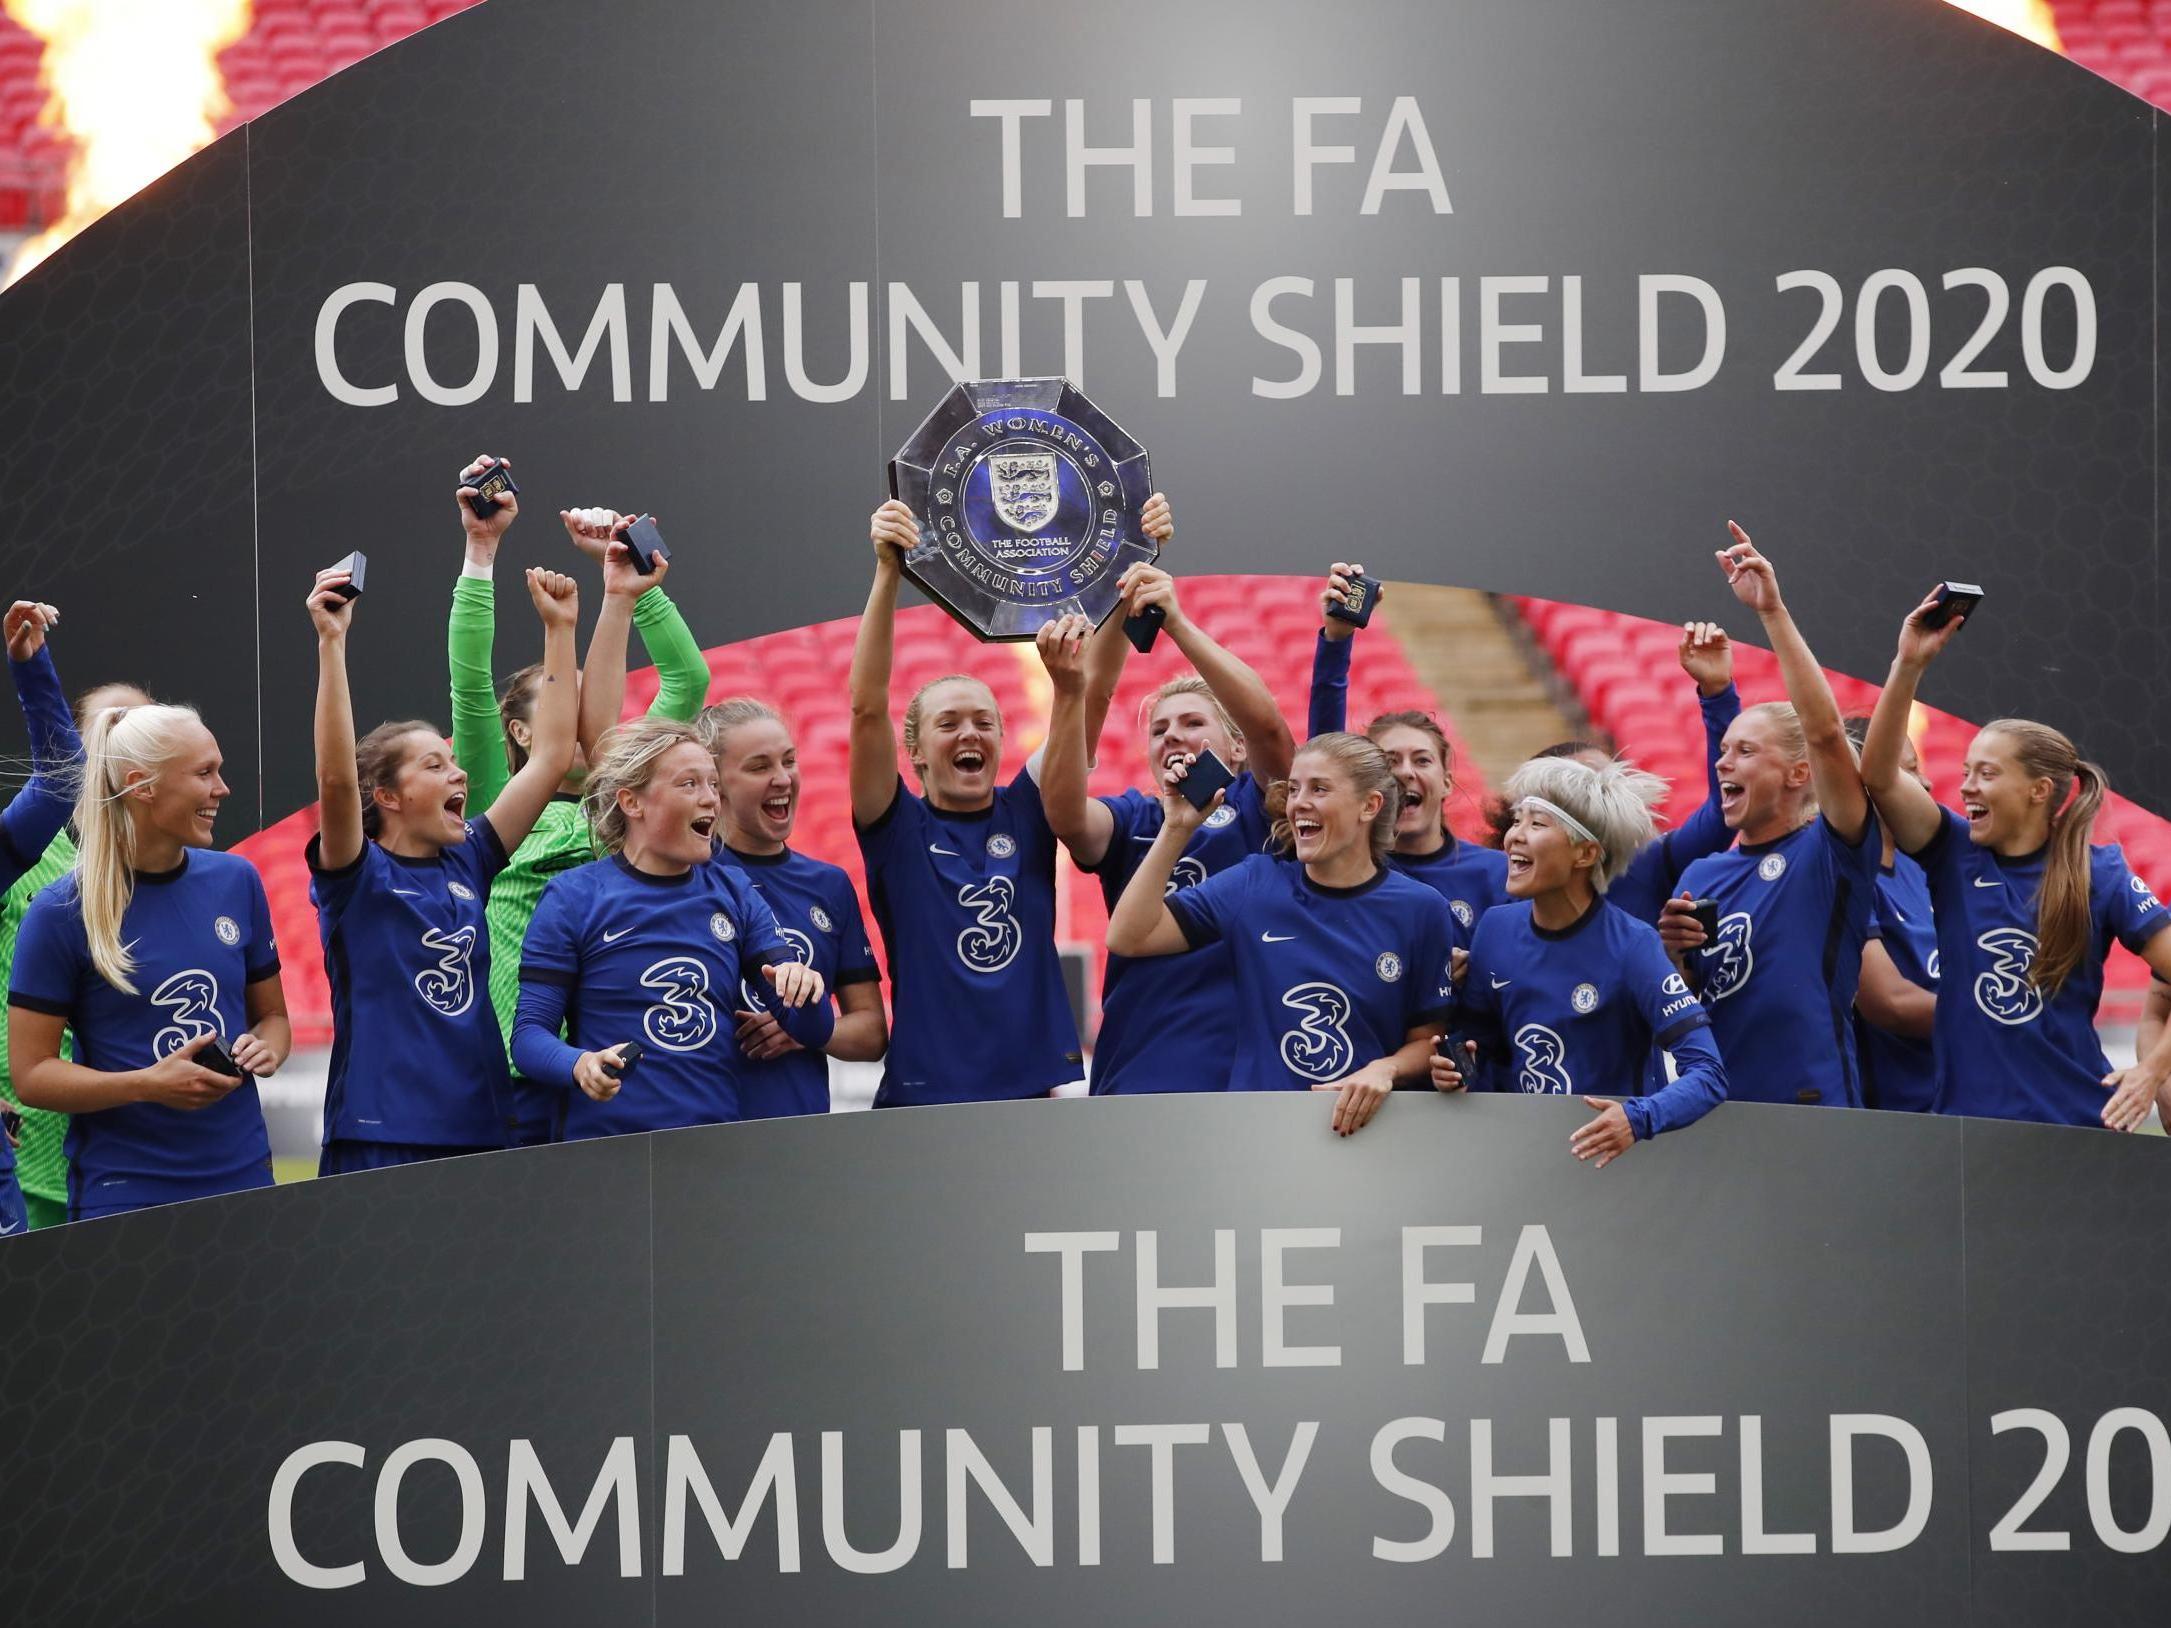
{"points": [[1028, 499]]}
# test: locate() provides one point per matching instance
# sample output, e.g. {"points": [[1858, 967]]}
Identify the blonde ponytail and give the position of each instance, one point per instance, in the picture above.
{"points": [[2063, 919], [117, 742]]}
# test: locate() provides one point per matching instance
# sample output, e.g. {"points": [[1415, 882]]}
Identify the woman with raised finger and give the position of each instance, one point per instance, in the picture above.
{"points": [[150, 951], [1569, 994], [1796, 890], [399, 872], [647, 947], [2026, 910], [1341, 963]]}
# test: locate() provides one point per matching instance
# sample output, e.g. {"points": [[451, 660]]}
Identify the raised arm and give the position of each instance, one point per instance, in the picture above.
{"points": [[1832, 766], [1328, 709], [599, 534], [893, 531], [339, 781], [550, 754], [1906, 807], [1081, 823], [1141, 923], [1267, 742], [1110, 648], [35, 815], [478, 732]]}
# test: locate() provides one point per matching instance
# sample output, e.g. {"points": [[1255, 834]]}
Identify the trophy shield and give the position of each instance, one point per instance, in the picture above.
{"points": [[1028, 499]]}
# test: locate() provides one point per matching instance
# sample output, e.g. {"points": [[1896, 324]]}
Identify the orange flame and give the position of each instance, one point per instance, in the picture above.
{"points": [[136, 84], [2030, 19]]}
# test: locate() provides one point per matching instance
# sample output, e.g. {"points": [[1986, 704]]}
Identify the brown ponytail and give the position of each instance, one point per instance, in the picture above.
{"points": [[2062, 916]]}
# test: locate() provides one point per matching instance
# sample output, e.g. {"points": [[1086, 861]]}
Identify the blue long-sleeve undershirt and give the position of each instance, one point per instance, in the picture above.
{"points": [[1698, 1087], [1329, 707], [1643, 888], [36, 814]]}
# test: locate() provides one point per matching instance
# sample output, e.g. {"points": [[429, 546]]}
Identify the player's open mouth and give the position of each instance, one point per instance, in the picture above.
{"points": [[1304, 830], [704, 824], [1730, 794], [1976, 812], [1518, 864], [456, 804], [778, 809], [969, 762]]}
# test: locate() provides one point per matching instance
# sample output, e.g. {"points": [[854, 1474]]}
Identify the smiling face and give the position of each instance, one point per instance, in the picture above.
{"points": [[1327, 816], [1542, 856], [758, 767], [181, 801], [959, 744], [1761, 785], [427, 799], [1421, 771], [673, 817], [1188, 723], [2006, 809]]}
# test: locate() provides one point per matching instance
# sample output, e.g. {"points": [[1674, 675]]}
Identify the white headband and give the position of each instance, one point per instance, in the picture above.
{"points": [[1575, 827]]}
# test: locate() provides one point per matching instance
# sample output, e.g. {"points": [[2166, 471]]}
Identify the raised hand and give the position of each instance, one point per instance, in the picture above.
{"points": [[593, 530], [1337, 586], [1062, 646], [1176, 810], [1920, 645], [1749, 574], [894, 533], [329, 609], [485, 533], [556, 597], [1707, 656], [28, 622], [1156, 521], [1143, 586]]}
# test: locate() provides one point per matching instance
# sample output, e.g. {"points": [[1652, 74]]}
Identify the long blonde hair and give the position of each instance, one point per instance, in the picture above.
{"points": [[116, 742], [626, 760], [1368, 769], [2062, 916]]}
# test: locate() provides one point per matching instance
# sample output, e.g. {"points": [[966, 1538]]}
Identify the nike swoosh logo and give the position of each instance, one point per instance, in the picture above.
{"points": [[1277, 938], [407, 893], [951, 852], [613, 938], [13, 1226], [1990, 882], [1502, 983]]}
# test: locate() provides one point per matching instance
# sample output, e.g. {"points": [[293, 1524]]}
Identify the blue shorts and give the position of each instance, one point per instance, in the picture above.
{"points": [[343, 1157], [13, 1222]]}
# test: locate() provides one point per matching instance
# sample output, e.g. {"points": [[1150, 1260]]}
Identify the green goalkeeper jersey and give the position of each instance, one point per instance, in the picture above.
{"points": [[560, 839], [40, 1166]]}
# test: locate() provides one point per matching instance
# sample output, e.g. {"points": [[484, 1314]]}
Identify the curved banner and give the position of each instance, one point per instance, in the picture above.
{"points": [[1158, 1360], [1514, 296]]}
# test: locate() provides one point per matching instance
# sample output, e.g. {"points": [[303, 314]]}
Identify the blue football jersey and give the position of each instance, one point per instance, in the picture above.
{"points": [[2003, 1051], [1899, 1072], [1471, 879], [201, 934], [615, 954], [1779, 983], [417, 1057], [1169, 1026], [1327, 979], [966, 904], [817, 913], [1578, 1012], [1652, 877]]}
